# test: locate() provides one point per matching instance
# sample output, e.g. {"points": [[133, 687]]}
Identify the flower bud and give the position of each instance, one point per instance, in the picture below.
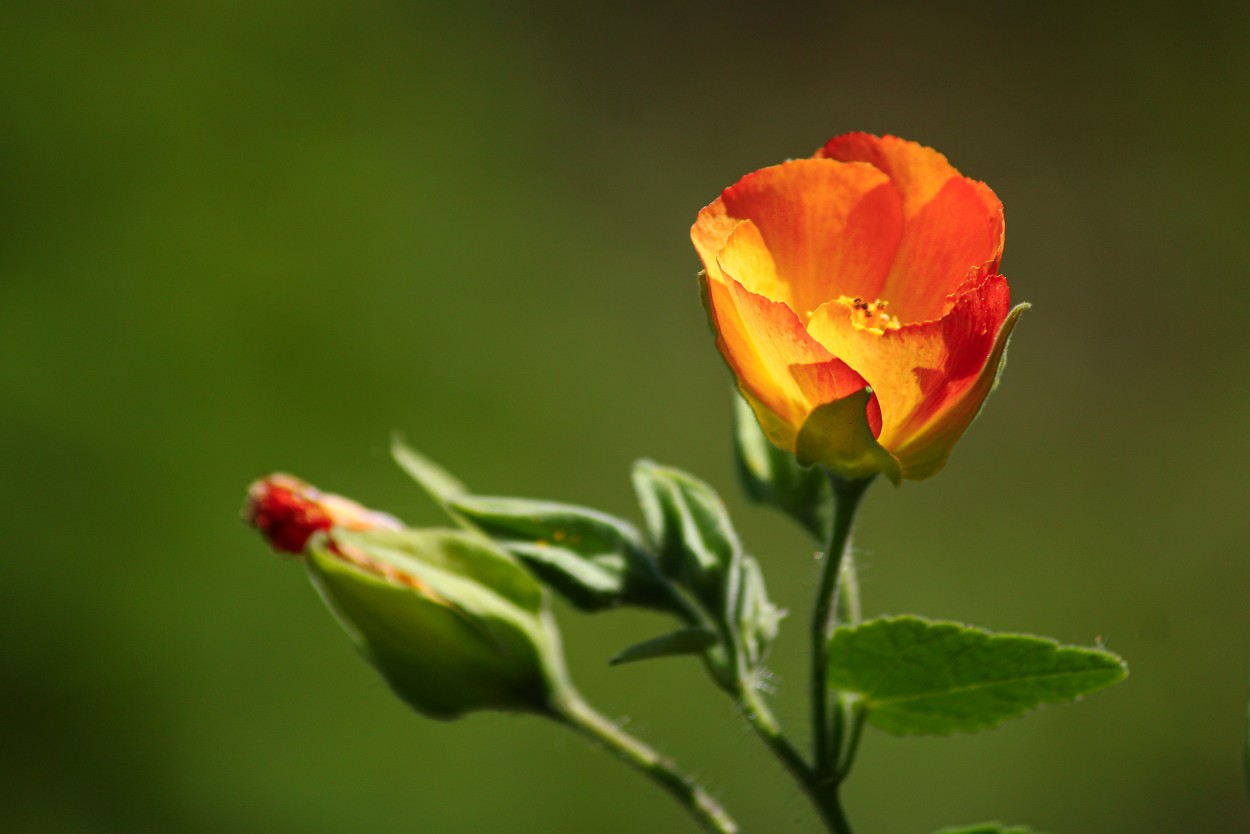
{"points": [[287, 512], [450, 621]]}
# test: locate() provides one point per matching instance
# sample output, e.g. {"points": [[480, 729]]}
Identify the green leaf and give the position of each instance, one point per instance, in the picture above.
{"points": [[990, 828], [916, 676], [592, 559], [691, 533], [837, 435], [589, 584], [774, 477], [578, 529], [693, 640]]}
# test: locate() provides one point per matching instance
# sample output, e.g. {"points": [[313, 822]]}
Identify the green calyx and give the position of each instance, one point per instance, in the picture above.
{"points": [[451, 622], [837, 436]]}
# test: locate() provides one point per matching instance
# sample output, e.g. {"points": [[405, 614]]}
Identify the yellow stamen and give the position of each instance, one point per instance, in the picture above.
{"points": [[870, 315]]}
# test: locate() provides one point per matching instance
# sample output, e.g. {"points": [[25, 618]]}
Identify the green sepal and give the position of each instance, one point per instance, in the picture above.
{"points": [[436, 481], [837, 436], [989, 828], [592, 559], [455, 555], [916, 676], [998, 355], [758, 618], [452, 623], [686, 641], [774, 477], [691, 534]]}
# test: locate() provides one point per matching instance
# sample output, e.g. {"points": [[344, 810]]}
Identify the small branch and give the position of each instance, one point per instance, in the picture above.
{"points": [[769, 730]]}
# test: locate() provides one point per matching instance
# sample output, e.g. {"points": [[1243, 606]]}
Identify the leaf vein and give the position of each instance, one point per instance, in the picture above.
{"points": [[954, 690]]}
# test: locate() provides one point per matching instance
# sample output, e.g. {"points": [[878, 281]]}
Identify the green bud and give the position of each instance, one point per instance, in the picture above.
{"points": [[451, 622]]}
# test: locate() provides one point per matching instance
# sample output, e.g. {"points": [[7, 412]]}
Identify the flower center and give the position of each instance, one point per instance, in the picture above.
{"points": [[870, 315]]}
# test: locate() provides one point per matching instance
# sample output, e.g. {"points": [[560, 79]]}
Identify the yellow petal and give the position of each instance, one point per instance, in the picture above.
{"points": [[778, 364], [832, 229]]}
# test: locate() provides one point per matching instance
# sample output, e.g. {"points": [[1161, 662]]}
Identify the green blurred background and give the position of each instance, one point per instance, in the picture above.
{"points": [[250, 236]]}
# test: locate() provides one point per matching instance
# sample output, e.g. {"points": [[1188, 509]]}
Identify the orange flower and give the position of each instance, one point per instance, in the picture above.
{"points": [[856, 297]]}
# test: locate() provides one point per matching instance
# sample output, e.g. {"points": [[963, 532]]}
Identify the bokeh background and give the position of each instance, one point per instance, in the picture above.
{"points": [[250, 236]]}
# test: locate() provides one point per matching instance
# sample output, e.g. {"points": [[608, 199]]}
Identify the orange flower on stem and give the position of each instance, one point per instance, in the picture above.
{"points": [[856, 297]]}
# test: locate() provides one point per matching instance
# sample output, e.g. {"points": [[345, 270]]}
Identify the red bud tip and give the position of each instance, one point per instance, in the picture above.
{"points": [[287, 512]]}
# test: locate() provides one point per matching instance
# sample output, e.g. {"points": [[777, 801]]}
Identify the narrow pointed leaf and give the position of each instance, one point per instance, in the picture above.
{"points": [[685, 641], [437, 482], [578, 529], [774, 477], [916, 676]]}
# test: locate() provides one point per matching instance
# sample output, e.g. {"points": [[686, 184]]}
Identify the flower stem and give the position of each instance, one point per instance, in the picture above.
{"points": [[661, 770], [826, 743], [823, 794], [769, 729]]}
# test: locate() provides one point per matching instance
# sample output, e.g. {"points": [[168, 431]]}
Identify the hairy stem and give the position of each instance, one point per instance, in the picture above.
{"points": [[659, 769], [826, 733], [769, 729], [822, 794]]}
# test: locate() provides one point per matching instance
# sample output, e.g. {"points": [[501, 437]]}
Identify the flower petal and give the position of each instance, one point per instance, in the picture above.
{"points": [[782, 369], [952, 224], [928, 377], [925, 453], [916, 171], [746, 257], [950, 237], [711, 229], [832, 228]]}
